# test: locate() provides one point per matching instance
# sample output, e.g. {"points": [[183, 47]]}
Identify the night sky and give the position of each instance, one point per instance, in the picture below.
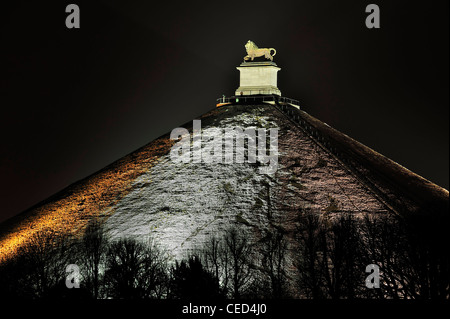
{"points": [[75, 100]]}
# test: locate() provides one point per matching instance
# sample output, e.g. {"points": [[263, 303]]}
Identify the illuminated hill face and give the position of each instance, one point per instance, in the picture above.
{"points": [[94, 197], [146, 194]]}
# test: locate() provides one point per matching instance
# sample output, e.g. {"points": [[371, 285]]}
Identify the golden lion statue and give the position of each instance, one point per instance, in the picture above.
{"points": [[253, 51]]}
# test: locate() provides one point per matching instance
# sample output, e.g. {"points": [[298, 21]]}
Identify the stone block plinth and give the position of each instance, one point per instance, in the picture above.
{"points": [[258, 78]]}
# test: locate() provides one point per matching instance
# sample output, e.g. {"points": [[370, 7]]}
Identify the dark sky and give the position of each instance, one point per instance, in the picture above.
{"points": [[75, 100]]}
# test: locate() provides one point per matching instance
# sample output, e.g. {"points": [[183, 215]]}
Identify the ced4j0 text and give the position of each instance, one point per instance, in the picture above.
{"points": [[255, 309]]}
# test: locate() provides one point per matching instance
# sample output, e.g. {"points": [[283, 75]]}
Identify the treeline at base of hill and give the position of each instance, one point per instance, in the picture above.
{"points": [[345, 257]]}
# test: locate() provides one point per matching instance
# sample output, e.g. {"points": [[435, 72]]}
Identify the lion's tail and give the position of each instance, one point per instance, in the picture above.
{"points": [[274, 51]]}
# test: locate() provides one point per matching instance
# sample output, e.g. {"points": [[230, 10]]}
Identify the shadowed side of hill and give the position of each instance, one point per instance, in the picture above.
{"points": [[401, 188]]}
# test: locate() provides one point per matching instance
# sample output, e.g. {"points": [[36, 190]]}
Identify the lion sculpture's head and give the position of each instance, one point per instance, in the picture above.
{"points": [[250, 46]]}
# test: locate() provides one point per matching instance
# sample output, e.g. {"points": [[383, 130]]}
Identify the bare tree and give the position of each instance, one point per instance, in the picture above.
{"points": [[309, 258], [216, 258], [190, 280], [274, 264], [384, 245], [93, 248], [155, 276], [329, 257], [134, 270], [40, 264], [239, 263]]}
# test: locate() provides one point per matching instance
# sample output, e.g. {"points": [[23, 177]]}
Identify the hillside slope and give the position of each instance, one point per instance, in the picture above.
{"points": [[146, 194]]}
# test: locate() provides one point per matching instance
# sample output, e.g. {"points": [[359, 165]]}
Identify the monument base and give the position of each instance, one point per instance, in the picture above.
{"points": [[258, 78]]}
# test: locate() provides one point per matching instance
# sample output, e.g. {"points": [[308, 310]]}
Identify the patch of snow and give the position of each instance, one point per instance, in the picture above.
{"points": [[180, 204]]}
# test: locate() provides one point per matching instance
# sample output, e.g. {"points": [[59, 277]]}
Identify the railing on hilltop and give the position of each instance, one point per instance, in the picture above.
{"points": [[249, 99]]}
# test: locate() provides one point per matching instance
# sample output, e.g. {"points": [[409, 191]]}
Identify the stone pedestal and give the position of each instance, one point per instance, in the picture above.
{"points": [[258, 78]]}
